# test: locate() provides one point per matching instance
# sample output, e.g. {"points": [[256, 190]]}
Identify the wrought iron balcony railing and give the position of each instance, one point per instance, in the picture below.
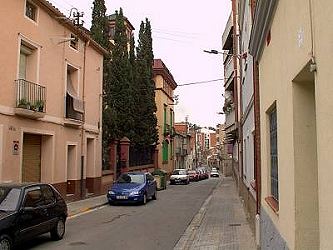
{"points": [[30, 96]]}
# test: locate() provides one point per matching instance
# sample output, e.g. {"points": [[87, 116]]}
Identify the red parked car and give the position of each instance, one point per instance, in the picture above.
{"points": [[194, 175]]}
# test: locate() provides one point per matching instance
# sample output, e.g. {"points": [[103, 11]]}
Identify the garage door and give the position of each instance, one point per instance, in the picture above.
{"points": [[31, 167]]}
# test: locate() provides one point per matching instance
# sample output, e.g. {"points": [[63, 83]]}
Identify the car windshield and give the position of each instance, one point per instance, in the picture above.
{"points": [[179, 172], [9, 198], [192, 172], [131, 178]]}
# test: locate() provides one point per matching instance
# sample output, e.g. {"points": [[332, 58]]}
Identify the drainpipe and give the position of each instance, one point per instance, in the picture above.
{"points": [[257, 147]]}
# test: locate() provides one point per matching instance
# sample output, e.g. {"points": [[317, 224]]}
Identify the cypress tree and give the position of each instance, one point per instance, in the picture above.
{"points": [[99, 33], [147, 126], [135, 91], [121, 82], [99, 24], [153, 132]]}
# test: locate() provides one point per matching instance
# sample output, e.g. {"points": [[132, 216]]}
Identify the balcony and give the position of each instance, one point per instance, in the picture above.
{"points": [[227, 38], [230, 118], [168, 130], [30, 99], [74, 110], [228, 71], [181, 151]]}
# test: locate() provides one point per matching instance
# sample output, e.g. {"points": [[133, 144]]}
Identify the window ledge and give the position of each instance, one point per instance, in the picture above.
{"points": [[273, 203]]}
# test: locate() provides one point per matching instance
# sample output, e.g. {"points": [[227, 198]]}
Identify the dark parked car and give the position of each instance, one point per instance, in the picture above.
{"points": [[29, 210], [133, 187]]}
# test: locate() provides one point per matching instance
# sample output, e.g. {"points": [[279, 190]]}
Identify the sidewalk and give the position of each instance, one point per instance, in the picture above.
{"points": [[81, 206], [220, 224]]}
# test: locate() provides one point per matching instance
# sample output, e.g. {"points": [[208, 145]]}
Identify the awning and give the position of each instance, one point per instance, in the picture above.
{"points": [[78, 104]]}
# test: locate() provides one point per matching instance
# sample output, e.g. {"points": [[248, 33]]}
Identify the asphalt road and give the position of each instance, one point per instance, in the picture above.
{"points": [[157, 225]]}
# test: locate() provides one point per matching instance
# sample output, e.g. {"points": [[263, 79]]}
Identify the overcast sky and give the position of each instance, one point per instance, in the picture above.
{"points": [[181, 30]]}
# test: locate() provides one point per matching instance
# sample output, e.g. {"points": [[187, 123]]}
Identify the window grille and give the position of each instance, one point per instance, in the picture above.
{"points": [[274, 154]]}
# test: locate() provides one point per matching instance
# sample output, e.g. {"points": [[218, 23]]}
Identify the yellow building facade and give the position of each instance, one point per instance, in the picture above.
{"points": [[164, 98], [292, 43]]}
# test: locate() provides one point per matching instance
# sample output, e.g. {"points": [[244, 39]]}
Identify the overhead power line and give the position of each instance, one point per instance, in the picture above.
{"points": [[201, 82]]}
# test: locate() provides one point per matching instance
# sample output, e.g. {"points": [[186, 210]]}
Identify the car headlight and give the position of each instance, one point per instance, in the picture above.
{"points": [[135, 193], [111, 192]]}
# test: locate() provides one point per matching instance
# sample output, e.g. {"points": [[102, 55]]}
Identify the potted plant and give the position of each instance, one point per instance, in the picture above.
{"points": [[39, 106], [23, 103]]}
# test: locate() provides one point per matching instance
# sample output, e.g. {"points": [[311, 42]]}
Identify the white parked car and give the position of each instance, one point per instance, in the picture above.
{"points": [[179, 176], [214, 173]]}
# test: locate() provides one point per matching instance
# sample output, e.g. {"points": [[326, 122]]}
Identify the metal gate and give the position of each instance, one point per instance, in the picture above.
{"points": [[31, 163]]}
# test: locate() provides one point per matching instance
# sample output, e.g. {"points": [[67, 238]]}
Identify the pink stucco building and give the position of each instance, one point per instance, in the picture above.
{"points": [[50, 99]]}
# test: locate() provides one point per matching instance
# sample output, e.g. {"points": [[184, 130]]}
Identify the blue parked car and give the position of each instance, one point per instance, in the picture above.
{"points": [[133, 187]]}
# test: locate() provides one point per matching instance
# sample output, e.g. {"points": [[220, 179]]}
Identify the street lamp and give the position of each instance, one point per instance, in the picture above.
{"points": [[214, 51]]}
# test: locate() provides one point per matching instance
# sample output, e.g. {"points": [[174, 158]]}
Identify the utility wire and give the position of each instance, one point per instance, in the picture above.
{"points": [[174, 34], [170, 39], [201, 82]]}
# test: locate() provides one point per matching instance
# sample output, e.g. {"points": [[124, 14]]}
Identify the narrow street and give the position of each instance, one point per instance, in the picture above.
{"points": [[158, 225]]}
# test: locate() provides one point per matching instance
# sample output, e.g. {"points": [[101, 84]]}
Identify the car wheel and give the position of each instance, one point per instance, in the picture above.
{"points": [[59, 230], [5, 242], [154, 197]]}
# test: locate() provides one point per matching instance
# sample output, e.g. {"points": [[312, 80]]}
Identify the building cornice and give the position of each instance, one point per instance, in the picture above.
{"points": [[263, 17]]}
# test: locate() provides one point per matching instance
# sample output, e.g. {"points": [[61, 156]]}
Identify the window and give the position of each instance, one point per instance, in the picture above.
{"points": [[165, 151], [48, 195], [274, 154], [28, 92], [72, 80], [74, 42], [74, 105], [31, 11], [9, 198], [34, 198], [28, 62], [165, 117]]}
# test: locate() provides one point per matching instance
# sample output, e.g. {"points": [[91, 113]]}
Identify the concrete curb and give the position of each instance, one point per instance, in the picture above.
{"points": [[85, 209]]}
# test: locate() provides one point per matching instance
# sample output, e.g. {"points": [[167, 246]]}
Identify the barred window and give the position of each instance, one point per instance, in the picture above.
{"points": [[274, 154], [30, 11]]}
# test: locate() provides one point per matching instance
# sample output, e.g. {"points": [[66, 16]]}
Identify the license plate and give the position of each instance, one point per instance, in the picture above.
{"points": [[121, 197]]}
